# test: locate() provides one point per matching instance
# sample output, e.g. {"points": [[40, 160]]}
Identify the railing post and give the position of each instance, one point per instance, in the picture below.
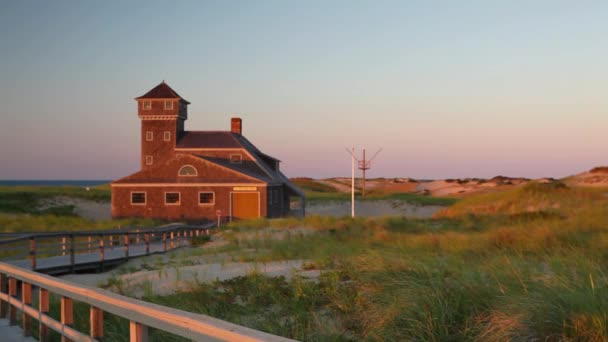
{"points": [[72, 253], [90, 240], [43, 307], [138, 332], [3, 289], [96, 323], [147, 237], [67, 314], [172, 239], [26, 299], [111, 242], [102, 250], [63, 245], [137, 236], [12, 292], [127, 245], [33, 252], [164, 242]]}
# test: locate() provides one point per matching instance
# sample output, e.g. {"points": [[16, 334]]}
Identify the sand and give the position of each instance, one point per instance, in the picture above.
{"points": [[373, 208]]}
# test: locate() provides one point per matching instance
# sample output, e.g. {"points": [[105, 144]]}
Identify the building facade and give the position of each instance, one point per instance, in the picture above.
{"points": [[198, 175]]}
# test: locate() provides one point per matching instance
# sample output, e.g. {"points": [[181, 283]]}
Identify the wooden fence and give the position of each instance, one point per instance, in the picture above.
{"points": [[64, 252], [18, 287]]}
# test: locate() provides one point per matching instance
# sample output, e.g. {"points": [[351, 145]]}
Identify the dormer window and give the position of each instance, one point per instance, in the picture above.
{"points": [[147, 105], [236, 158], [187, 171], [168, 105]]}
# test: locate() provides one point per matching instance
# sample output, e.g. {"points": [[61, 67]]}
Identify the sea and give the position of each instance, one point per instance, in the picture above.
{"points": [[46, 182]]}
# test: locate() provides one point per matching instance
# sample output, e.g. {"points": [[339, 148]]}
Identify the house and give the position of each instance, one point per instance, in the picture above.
{"points": [[198, 175]]}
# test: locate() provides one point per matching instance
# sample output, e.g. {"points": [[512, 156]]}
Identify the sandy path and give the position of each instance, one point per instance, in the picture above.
{"points": [[172, 279], [91, 210], [372, 208]]}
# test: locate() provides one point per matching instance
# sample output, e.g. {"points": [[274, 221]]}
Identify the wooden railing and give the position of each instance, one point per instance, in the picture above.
{"points": [[17, 286], [34, 246]]}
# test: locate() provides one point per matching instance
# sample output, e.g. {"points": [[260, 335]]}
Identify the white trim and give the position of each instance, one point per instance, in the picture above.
{"points": [[206, 192], [186, 184], [246, 192], [149, 136], [143, 106], [138, 192], [240, 161], [187, 165], [179, 199], [149, 161], [168, 102], [165, 133], [160, 117], [209, 149]]}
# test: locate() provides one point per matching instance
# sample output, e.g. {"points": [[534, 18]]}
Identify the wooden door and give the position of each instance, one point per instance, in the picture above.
{"points": [[245, 205]]}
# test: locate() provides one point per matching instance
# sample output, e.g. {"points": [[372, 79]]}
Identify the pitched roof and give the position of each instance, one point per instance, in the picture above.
{"points": [[162, 91], [247, 167], [208, 139]]}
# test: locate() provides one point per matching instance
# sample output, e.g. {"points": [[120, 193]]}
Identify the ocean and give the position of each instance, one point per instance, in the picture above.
{"points": [[45, 182]]}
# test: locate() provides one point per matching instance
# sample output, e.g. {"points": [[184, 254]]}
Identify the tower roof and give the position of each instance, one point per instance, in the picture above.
{"points": [[162, 91]]}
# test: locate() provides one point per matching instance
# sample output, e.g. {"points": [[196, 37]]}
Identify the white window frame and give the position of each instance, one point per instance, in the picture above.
{"points": [[179, 197], [179, 172], [240, 161], [206, 192], [149, 136], [146, 105], [167, 136], [170, 103], [149, 160], [139, 192]]}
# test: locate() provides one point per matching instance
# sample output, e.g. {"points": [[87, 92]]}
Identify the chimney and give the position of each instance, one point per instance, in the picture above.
{"points": [[236, 126]]}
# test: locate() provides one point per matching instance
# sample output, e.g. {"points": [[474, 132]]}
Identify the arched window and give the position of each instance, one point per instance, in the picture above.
{"points": [[187, 170]]}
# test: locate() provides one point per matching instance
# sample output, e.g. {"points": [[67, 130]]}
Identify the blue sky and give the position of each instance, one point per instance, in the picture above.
{"points": [[446, 88]]}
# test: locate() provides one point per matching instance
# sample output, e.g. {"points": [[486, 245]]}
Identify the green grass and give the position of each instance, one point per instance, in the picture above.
{"points": [[526, 264]]}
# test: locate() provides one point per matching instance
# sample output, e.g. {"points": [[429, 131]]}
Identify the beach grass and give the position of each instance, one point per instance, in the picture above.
{"points": [[524, 264]]}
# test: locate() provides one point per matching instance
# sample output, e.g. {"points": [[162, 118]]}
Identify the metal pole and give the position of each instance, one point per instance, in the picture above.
{"points": [[352, 200], [364, 168]]}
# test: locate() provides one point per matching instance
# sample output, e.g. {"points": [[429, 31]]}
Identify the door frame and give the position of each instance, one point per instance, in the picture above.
{"points": [[245, 192]]}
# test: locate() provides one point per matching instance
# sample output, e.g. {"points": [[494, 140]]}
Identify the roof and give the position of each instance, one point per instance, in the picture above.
{"points": [[247, 167], [208, 139], [162, 91]]}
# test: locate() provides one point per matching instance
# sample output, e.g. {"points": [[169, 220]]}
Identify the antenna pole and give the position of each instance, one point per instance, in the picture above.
{"points": [[363, 168], [352, 186]]}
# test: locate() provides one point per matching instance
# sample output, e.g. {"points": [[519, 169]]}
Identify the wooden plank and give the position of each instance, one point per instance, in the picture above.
{"points": [[96, 322], [43, 307], [26, 299], [12, 293], [181, 323], [138, 332], [67, 314]]}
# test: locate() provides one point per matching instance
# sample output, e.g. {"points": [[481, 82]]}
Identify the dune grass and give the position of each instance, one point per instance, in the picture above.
{"points": [[526, 264]]}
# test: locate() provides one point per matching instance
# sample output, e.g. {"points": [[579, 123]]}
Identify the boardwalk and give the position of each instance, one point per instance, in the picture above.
{"points": [[95, 251]]}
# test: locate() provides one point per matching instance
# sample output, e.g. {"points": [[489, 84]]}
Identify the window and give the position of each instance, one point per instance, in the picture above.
{"points": [[149, 136], [172, 198], [149, 160], [236, 158], [206, 198], [138, 198], [147, 105], [168, 105], [187, 170], [167, 136]]}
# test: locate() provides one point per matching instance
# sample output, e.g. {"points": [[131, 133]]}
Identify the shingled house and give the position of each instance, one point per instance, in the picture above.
{"points": [[198, 175]]}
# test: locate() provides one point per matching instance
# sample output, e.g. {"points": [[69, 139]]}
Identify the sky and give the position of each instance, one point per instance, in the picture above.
{"points": [[446, 88]]}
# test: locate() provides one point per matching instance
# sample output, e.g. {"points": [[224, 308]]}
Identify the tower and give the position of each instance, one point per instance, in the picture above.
{"points": [[162, 113]]}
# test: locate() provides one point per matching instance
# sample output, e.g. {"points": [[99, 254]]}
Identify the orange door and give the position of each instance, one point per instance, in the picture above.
{"points": [[245, 205]]}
